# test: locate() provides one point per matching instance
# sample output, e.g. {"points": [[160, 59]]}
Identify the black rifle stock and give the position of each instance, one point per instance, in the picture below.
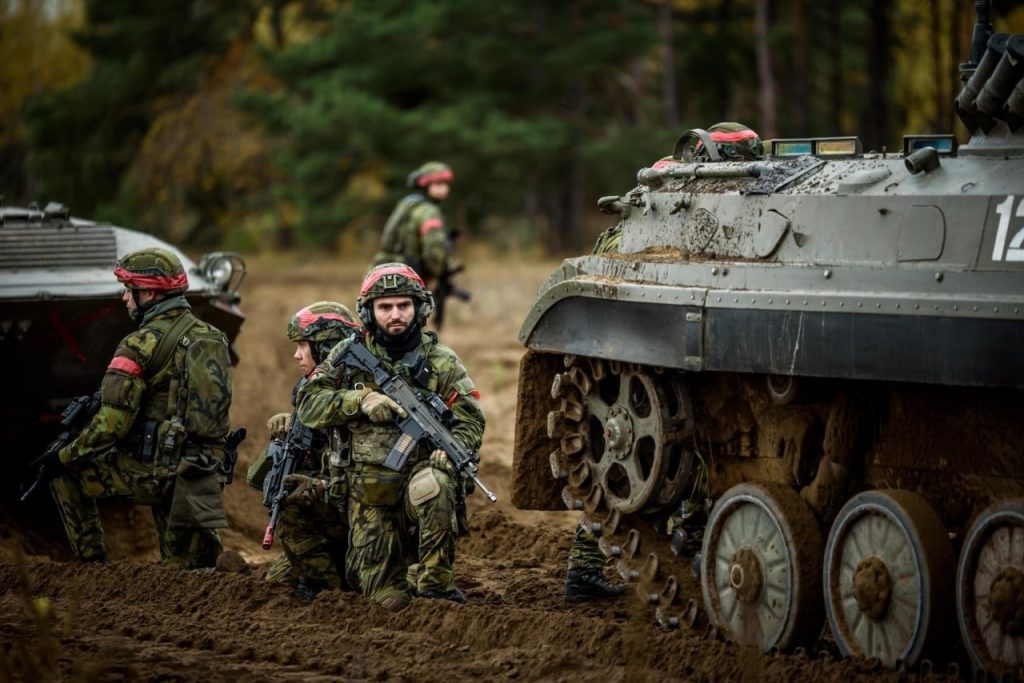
{"points": [[72, 421], [285, 456], [423, 420]]}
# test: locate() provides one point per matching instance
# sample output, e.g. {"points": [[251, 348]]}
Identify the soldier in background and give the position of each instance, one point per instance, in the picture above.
{"points": [[415, 233], [158, 438], [426, 495], [313, 529]]}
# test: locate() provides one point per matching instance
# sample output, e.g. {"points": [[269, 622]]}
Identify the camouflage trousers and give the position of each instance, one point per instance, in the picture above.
{"points": [[585, 553], [399, 521], [119, 475], [313, 539]]}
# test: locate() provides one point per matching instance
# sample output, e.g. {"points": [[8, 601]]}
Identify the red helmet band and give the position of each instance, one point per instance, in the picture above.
{"points": [[160, 282], [435, 177], [376, 275], [738, 136], [307, 318]]}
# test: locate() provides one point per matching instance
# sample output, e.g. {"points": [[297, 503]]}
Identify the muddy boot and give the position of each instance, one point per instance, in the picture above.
{"points": [[583, 584], [306, 592], [455, 595]]}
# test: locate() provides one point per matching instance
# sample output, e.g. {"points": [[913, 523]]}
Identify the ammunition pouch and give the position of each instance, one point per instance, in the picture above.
{"points": [[170, 445], [197, 501]]}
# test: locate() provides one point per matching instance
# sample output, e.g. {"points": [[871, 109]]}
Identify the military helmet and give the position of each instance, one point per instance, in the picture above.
{"points": [[152, 268], [393, 279], [324, 321], [430, 172], [735, 141]]}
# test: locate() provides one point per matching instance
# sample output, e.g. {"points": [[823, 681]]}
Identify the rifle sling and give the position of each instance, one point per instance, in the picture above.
{"points": [[164, 349]]}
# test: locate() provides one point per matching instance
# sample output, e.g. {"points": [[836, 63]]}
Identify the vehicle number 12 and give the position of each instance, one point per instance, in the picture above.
{"points": [[1015, 252]]}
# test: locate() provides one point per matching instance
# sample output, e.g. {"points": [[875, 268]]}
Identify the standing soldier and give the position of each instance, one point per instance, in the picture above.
{"points": [[158, 438], [415, 233], [313, 529], [384, 505]]}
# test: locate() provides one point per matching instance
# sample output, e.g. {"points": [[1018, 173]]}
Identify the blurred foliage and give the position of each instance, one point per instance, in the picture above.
{"points": [[260, 123]]}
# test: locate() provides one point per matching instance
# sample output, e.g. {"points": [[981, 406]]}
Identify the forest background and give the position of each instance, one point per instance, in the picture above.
{"points": [[258, 124]]}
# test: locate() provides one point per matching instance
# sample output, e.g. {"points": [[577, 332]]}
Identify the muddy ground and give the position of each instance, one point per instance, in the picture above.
{"points": [[135, 620]]}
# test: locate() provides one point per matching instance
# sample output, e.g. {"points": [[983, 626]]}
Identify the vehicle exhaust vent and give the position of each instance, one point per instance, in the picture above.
{"points": [[57, 245]]}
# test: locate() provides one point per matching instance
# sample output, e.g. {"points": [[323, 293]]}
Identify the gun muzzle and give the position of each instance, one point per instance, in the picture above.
{"points": [[268, 537]]}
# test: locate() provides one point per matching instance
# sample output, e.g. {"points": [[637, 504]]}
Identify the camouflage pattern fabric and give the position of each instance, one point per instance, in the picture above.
{"points": [[380, 511], [585, 553], [314, 539], [609, 240], [418, 238], [102, 461]]}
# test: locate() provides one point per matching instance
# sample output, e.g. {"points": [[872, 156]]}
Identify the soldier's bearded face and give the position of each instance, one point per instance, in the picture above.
{"points": [[394, 314], [304, 356]]}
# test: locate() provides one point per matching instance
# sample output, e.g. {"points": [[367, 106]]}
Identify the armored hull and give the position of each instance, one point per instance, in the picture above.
{"points": [[61, 314], [830, 346]]}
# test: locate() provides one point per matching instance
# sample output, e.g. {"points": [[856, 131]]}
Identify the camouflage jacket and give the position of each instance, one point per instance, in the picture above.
{"points": [[131, 392], [416, 235], [330, 398]]}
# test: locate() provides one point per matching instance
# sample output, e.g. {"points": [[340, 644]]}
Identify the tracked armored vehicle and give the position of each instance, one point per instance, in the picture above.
{"points": [[61, 314], [827, 343]]}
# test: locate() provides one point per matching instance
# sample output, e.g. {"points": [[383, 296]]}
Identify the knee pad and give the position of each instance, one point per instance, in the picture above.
{"points": [[423, 486]]}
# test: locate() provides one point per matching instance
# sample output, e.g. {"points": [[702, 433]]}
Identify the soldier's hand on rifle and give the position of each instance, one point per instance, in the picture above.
{"points": [[279, 425], [380, 408], [307, 489], [439, 460]]}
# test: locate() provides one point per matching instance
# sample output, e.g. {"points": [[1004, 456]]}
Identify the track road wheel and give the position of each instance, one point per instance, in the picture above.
{"points": [[761, 567], [990, 589], [888, 577]]}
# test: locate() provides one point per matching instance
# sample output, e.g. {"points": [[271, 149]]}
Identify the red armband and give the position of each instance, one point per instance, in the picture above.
{"points": [[126, 365], [430, 224]]}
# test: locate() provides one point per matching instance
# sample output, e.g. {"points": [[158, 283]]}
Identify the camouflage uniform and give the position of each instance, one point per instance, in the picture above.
{"points": [[104, 460], [397, 519], [415, 233], [314, 533]]}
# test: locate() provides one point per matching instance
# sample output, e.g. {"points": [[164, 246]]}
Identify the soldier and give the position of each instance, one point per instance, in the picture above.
{"points": [[385, 506], [313, 529], [158, 437], [415, 233]]}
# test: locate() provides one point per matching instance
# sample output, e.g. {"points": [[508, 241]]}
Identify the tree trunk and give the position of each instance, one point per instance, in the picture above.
{"points": [[723, 83], [799, 112], [668, 63], [879, 57], [835, 68], [768, 127], [940, 117]]}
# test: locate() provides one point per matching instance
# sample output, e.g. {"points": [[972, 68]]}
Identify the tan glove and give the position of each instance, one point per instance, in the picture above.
{"points": [[380, 408], [439, 460], [279, 424], [307, 490]]}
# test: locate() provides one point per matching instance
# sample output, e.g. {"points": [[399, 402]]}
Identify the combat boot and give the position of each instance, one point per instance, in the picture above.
{"points": [[590, 584], [455, 595], [306, 592]]}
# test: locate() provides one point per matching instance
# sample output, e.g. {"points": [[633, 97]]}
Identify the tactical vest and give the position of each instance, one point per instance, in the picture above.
{"points": [[393, 237], [189, 379]]}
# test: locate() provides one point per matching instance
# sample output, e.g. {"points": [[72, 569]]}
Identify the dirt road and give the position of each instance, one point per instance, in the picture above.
{"points": [[134, 620]]}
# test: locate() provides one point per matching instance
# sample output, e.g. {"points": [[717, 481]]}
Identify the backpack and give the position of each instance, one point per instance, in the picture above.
{"points": [[199, 393]]}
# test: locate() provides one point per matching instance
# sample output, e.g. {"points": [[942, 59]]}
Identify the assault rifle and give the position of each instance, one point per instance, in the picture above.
{"points": [[284, 457], [72, 421], [425, 419], [446, 288], [231, 443]]}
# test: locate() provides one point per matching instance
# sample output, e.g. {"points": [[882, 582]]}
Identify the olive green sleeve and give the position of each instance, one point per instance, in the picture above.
{"points": [[121, 393], [433, 237], [321, 402], [462, 396]]}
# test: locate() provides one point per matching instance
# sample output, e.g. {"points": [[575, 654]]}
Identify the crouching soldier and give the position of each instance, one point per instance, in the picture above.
{"points": [[313, 528], [158, 437]]}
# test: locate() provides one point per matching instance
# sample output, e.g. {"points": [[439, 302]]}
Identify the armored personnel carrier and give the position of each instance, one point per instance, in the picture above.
{"points": [[61, 313], [829, 344]]}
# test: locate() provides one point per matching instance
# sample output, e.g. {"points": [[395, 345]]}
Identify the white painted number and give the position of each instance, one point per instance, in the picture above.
{"points": [[1015, 252]]}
